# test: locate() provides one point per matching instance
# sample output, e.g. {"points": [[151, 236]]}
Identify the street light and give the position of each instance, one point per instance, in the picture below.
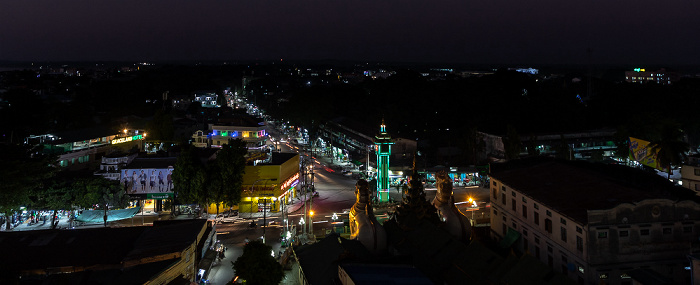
{"points": [[264, 204]]}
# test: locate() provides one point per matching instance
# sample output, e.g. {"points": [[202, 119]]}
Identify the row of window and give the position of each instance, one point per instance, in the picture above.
{"points": [[80, 159], [234, 134], [548, 225], [645, 232]]}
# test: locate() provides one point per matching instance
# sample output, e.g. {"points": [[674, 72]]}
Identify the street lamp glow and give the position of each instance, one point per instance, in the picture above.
{"points": [[311, 213]]}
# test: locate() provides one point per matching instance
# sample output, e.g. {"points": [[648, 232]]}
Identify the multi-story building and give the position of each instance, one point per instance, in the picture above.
{"points": [[112, 163], [207, 99], [595, 223], [690, 173], [271, 185], [640, 75], [249, 129], [168, 252], [80, 148]]}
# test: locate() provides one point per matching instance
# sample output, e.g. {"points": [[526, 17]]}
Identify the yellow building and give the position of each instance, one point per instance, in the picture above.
{"points": [[269, 185]]}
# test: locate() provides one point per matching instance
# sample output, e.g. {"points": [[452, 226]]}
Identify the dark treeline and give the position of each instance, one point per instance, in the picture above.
{"points": [[412, 105]]}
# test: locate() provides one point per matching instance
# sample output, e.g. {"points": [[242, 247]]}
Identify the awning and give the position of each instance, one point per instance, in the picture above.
{"points": [[510, 238], [97, 216]]}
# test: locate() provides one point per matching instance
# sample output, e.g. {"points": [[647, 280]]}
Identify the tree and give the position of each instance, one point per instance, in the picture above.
{"points": [[511, 143], [226, 175], [257, 266], [563, 150], [161, 127], [474, 143], [189, 176], [23, 170], [531, 146], [670, 147]]}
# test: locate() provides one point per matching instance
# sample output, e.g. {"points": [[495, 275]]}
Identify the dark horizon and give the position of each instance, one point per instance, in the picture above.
{"points": [[503, 32]]}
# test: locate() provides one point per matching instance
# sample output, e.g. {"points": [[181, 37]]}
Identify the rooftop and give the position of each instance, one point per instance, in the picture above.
{"points": [[574, 187], [96, 249]]}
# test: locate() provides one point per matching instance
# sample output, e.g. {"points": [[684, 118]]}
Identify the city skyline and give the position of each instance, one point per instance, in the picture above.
{"points": [[502, 32]]}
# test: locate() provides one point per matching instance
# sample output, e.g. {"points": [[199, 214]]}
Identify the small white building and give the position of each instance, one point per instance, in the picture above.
{"points": [[251, 130]]}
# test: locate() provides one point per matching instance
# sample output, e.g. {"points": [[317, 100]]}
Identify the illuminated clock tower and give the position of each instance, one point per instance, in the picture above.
{"points": [[383, 144]]}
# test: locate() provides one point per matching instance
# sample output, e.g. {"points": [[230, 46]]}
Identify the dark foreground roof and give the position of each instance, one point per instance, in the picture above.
{"points": [[94, 249], [320, 260], [573, 187]]}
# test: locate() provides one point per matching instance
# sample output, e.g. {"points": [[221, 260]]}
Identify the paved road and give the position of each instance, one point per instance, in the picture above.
{"points": [[336, 193], [232, 235]]}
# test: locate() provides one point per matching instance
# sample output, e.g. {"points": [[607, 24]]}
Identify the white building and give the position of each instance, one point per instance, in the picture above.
{"points": [[595, 223], [249, 129], [640, 75], [112, 163], [207, 99]]}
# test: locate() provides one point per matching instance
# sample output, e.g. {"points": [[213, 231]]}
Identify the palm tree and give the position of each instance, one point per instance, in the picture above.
{"points": [[671, 148]]}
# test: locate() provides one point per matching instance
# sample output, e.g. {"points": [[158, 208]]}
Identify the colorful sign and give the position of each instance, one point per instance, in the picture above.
{"points": [[147, 180], [127, 139], [642, 153]]}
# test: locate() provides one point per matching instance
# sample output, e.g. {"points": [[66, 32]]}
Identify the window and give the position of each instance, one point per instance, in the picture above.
{"points": [[503, 188], [495, 212], [512, 193], [563, 234], [579, 244], [548, 225], [512, 205], [515, 226], [537, 252], [525, 244], [524, 211], [493, 192], [537, 240], [563, 222], [697, 171], [667, 231], [524, 231], [549, 248], [549, 214], [579, 230], [602, 234], [524, 200], [536, 217], [503, 198], [550, 261], [493, 183], [536, 206], [504, 229], [644, 232], [624, 233]]}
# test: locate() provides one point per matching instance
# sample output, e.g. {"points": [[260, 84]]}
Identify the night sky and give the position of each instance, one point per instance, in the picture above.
{"points": [[466, 31]]}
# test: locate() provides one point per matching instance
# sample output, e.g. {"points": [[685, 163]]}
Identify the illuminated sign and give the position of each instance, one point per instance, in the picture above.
{"points": [[288, 183], [639, 69], [127, 139]]}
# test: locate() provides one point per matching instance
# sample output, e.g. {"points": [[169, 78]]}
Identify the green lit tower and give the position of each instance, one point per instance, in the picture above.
{"points": [[383, 144]]}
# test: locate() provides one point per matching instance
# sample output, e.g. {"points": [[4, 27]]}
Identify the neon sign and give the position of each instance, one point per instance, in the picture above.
{"points": [[127, 139], [290, 181]]}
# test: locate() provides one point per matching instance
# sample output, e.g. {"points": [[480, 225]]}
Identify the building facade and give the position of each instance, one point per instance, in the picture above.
{"points": [[690, 173], [268, 187], [255, 135], [595, 223], [640, 75]]}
